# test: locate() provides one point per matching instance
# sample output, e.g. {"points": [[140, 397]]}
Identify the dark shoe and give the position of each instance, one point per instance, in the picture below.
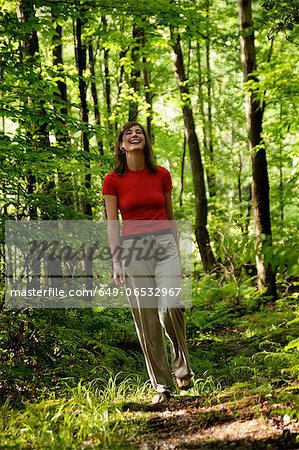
{"points": [[161, 397], [184, 383]]}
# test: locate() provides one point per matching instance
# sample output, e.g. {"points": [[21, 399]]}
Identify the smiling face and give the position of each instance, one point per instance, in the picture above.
{"points": [[133, 139]]}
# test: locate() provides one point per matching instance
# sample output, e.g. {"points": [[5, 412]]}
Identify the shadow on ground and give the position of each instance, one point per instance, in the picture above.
{"points": [[183, 423]]}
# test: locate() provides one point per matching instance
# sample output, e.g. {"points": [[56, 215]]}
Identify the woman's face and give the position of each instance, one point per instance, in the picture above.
{"points": [[133, 139]]}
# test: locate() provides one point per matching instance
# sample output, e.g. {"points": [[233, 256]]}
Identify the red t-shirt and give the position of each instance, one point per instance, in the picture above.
{"points": [[140, 195]]}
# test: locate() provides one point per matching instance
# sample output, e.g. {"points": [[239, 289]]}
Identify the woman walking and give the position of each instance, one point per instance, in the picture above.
{"points": [[141, 192]]}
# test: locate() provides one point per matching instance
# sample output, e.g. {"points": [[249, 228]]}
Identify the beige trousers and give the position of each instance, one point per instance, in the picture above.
{"points": [[151, 283]]}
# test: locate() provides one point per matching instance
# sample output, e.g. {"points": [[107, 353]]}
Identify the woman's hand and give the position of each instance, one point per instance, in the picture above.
{"points": [[118, 274]]}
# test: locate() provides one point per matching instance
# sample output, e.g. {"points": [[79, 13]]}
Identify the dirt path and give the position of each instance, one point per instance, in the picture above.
{"points": [[185, 424]]}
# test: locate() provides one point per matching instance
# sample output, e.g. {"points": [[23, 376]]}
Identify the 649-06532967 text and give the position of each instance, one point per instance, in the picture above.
{"points": [[101, 291]]}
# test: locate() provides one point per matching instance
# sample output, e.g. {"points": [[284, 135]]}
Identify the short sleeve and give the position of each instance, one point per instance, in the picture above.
{"points": [[167, 182], [109, 185]]}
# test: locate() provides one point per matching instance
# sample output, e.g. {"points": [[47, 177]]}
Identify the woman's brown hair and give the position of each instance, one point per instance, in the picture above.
{"points": [[121, 162]]}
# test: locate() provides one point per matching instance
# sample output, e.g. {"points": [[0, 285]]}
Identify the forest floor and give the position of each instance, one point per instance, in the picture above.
{"points": [[185, 423], [250, 402], [245, 393]]}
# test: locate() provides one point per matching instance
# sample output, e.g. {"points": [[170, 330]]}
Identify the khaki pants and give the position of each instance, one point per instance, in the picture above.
{"points": [[150, 284]]}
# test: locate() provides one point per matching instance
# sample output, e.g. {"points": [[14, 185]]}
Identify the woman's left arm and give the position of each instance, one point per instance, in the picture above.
{"points": [[170, 216]]}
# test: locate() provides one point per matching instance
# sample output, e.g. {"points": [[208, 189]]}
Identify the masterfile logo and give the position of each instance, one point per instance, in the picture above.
{"points": [[61, 264]]}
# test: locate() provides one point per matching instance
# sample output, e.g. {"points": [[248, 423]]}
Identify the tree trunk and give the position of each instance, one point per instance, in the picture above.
{"points": [[260, 181], [95, 98], [3, 183], [81, 58], [122, 54], [201, 101], [29, 52], [135, 74], [65, 186], [281, 193], [28, 49], [183, 170], [58, 64], [107, 88], [147, 88], [185, 139], [201, 232], [81, 66], [210, 138]]}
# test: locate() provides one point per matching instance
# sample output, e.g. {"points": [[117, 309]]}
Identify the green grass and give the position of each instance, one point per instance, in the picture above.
{"points": [[88, 416]]}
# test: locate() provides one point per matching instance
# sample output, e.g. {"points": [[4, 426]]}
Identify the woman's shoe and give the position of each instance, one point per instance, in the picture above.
{"points": [[184, 383], [161, 397]]}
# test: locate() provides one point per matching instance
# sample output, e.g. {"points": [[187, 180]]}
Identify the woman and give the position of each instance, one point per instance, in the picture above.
{"points": [[141, 191]]}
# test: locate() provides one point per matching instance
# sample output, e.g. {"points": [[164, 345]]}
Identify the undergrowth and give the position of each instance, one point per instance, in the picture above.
{"points": [[58, 374], [87, 416], [242, 343]]}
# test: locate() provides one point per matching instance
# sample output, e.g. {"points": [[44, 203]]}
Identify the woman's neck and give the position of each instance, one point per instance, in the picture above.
{"points": [[135, 161]]}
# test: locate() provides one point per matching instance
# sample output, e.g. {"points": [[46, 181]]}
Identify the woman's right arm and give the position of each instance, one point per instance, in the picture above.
{"points": [[113, 230]]}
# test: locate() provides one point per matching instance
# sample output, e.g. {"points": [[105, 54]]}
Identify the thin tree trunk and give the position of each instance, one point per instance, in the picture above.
{"points": [[66, 190], [122, 54], [240, 196], [249, 208], [239, 178], [183, 170], [107, 83], [107, 87], [240, 171], [28, 49], [147, 88], [135, 74], [81, 60], [148, 99], [29, 52], [281, 196], [95, 97], [54, 266], [201, 101], [185, 138], [201, 231], [3, 188], [81, 66], [210, 170], [61, 84], [260, 181]]}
